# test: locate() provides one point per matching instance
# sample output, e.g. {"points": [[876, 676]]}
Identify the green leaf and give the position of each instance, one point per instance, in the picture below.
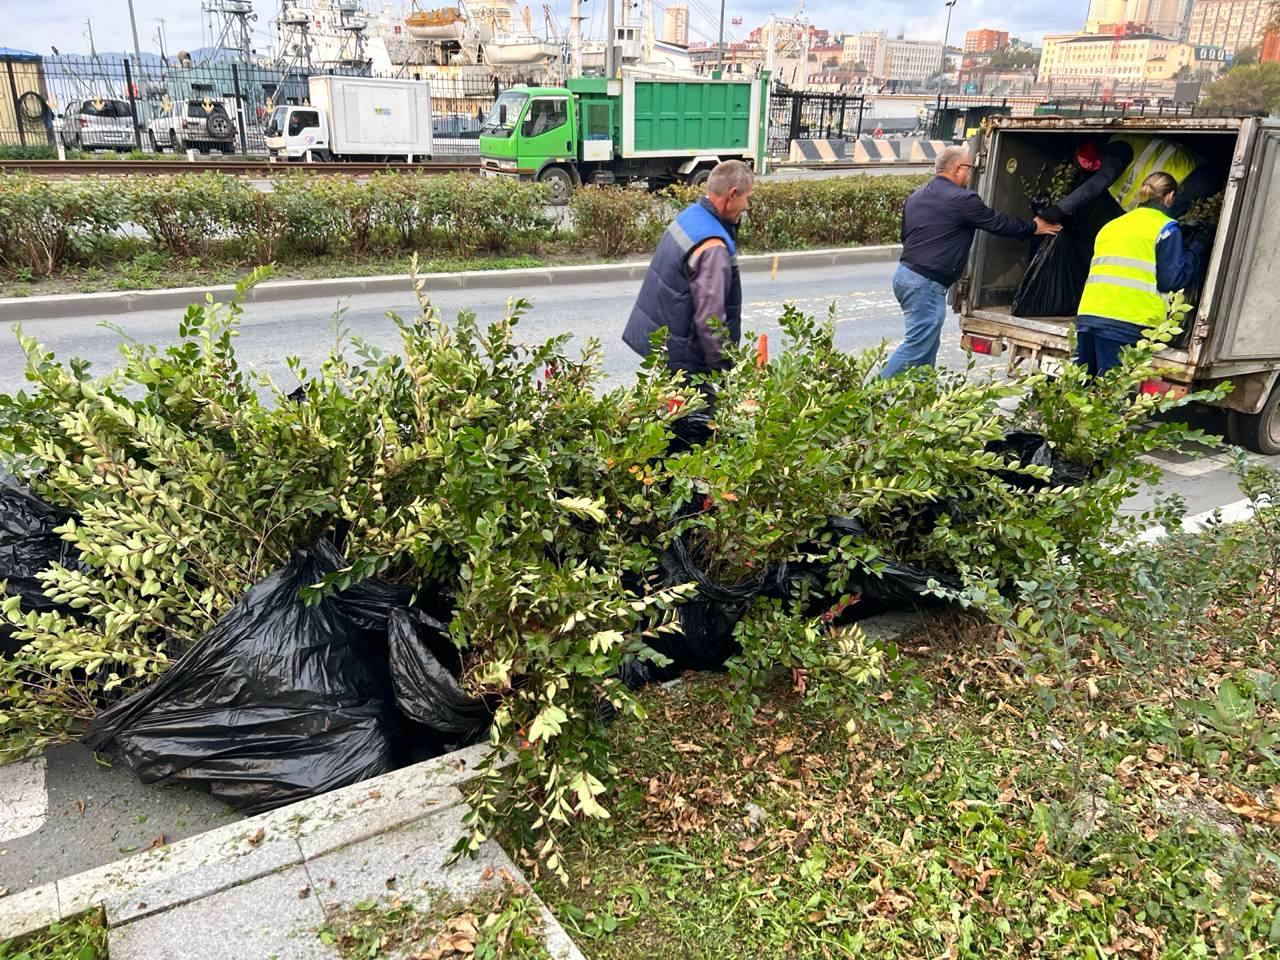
{"points": [[547, 724]]}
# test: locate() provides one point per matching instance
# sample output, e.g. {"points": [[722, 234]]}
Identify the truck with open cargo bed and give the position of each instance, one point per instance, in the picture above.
{"points": [[1233, 333], [636, 127]]}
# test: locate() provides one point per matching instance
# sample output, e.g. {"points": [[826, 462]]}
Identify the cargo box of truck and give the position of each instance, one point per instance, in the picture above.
{"points": [[636, 127], [1234, 332], [355, 118]]}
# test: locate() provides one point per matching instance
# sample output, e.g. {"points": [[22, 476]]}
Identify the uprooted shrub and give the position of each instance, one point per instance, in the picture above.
{"points": [[563, 533]]}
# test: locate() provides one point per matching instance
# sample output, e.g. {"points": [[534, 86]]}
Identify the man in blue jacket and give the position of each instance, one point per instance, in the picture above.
{"points": [[694, 278], [938, 223]]}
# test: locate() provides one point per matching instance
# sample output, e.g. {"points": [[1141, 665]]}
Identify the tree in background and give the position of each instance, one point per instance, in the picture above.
{"points": [[1013, 58], [1245, 57], [1253, 88]]}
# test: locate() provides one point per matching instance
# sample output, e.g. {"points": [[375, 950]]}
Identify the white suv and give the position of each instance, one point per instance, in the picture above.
{"points": [[204, 125]]}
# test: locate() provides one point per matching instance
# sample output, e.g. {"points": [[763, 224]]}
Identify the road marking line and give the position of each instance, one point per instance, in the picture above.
{"points": [[1195, 468], [24, 802], [1235, 512]]}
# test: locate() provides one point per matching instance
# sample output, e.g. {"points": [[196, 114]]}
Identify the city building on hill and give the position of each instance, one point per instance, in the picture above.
{"points": [[985, 41], [1230, 24], [675, 24]]}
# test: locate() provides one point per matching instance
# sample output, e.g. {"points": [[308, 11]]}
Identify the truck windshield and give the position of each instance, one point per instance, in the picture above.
{"points": [[495, 125], [276, 124]]}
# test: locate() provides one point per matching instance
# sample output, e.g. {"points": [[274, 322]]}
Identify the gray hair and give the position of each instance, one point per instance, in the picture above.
{"points": [[949, 158], [730, 175]]}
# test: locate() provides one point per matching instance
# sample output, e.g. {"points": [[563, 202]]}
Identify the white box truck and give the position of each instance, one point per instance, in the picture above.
{"points": [[354, 118]]}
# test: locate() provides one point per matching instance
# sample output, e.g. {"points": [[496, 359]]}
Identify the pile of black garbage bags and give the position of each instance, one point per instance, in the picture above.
{"points": [[289, 697]]}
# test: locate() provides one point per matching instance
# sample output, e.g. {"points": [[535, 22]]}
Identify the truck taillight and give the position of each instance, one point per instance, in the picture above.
{"points": [[1155, 386], [983, 345]]}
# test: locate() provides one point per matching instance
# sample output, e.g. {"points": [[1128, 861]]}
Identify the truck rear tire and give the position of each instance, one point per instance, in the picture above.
{"points": [[1258, 432], [699, 177], [559, 185]]}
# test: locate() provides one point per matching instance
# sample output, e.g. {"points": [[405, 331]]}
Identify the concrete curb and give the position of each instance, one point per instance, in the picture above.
{"points": [[65, 306], [200, 868]]}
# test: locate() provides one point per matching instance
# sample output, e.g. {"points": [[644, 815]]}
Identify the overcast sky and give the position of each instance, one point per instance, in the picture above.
{"points": [[36, 25]]}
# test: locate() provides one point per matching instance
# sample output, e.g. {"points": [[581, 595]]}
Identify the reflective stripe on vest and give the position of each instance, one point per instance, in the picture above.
{"points": [[1150, 154], [1122, 274]]}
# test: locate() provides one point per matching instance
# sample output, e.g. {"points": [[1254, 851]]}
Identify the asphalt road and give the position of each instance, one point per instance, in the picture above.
{"points": [[64, 812], [865, 309]]}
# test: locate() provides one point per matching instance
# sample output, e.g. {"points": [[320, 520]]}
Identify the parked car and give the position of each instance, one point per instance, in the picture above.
{"points": [[98, 123], [204, 125], [456, 126]]}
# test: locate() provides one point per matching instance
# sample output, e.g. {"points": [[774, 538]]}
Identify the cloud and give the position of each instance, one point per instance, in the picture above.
{"points": [[61, 23]]}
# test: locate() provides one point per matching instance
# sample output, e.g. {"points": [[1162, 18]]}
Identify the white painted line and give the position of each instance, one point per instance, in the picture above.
{"points": [[1236, 512], [24, 803], [1194, 468]]}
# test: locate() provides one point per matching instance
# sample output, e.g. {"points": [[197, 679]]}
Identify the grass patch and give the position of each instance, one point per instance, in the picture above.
{"points": [[952, 809], [498, 924], [80, 938], [149, 271]]}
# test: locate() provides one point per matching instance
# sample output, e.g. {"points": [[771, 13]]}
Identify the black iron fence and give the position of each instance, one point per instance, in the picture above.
{"points": [[116, 103], [804, 115], [1138, 107]]}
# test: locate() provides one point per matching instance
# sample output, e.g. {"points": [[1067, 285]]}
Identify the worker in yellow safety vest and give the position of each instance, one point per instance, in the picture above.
{"points": [[1137, 258], [1121, 167]]}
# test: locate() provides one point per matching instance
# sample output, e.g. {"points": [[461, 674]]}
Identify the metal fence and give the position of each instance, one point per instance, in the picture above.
{"points": [[803, 115], [1093, 107], [115, 103]]}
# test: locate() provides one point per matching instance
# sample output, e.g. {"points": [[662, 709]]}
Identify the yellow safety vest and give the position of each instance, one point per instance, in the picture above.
{"points": [[1122, 276], [1150, 154]]}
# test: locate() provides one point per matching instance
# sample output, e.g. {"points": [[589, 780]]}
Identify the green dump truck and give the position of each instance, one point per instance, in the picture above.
{"points": [[598, 130]]}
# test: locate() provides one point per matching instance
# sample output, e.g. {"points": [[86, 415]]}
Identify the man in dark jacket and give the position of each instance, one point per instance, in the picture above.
{"points": [[938, 223], [694, 278]]}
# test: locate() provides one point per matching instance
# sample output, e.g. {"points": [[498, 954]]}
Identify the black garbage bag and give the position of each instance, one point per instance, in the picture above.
{"points": [[1032, 450], [29, 546], [425, 666], [1054, 281], [280, 701], [886, 586], [708, 618], [691, 430]]}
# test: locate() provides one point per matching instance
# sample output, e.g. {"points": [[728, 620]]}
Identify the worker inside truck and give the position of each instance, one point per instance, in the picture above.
{"points": [[1137, 258], [1119, 166], [1109, 173]]}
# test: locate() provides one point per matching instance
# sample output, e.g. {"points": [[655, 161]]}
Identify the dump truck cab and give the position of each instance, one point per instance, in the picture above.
{"points": [[532, 133]]}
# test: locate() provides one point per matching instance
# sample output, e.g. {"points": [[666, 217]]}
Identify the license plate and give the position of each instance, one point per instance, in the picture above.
{"points": [[1050, 366]]}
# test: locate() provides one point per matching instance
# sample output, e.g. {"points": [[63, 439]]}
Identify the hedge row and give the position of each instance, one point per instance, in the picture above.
{"points": [[840, 212], [47, 227]]}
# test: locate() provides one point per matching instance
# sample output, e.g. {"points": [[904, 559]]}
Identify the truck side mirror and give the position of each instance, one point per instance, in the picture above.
{"points": [[502, 114]]}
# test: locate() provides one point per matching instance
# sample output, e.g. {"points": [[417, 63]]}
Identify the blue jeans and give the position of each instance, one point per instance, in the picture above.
{"points": [[1099, 342], [924, 307]]}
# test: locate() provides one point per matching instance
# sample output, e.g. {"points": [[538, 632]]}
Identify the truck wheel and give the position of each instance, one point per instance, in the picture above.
{"points": [[699, 177], [559, 184], [1258, 432]]}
